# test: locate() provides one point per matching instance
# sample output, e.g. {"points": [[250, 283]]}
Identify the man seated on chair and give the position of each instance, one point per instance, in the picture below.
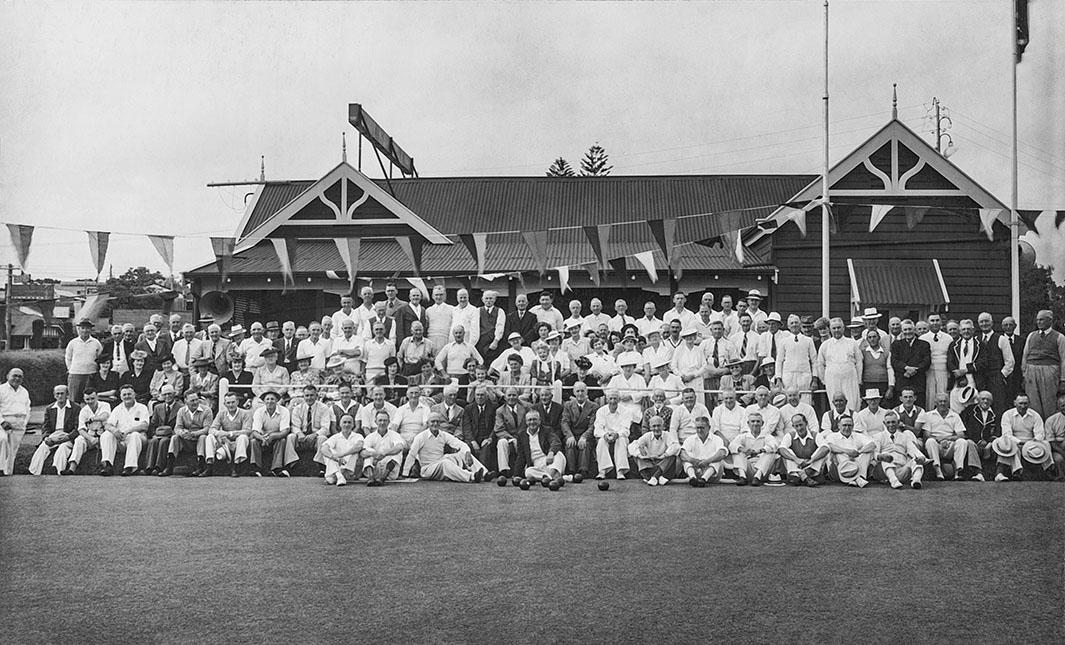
{"points": [[229, 438], [427, 451], [852, 453], [161, 430], [190, 432], [611, 431], [270, 426], [703, 455], [804, 457], [656, 453], [91, 419], [754, 453], [539, 452], [944, 438], [59, 430], [382, 452], [340, 453], [311, 422], [509, 423], [126, 424], [897, 453]]}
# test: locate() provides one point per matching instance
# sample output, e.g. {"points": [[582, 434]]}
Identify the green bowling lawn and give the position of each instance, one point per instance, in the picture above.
{"points": [[145, 560]]}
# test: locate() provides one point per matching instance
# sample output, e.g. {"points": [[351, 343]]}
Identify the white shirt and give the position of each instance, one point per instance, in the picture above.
{"points": [[671, 384], [940, 427], [728, 423], [409, 422], [787, 411], [747, 441], [186, 351], [650, 447], [87, 415], [439, 317], [281, 415], [381, 444], [868, 422], [731, 322], [253, 352], [633, 386], [593, 321], [453, 356], [685, 316], [339, 444], [339, 317], [14, 405], [428, 449], [796, 355], [607, 421], [751, 352], [342, 343], [469, 317], [317, 351], [688, 362], [939, 343], [770, 417], [527, 358], [682, 421], [650, 353], [550, 316], [125, 420], [620, 320], [696, 448], [646, 326], [366, 418], [81, 355], [603, 365], [375, 352]]}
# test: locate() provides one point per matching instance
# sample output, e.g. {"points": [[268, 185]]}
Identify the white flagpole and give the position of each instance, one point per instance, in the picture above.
{"points": [[825, 292], [1015, 260]]}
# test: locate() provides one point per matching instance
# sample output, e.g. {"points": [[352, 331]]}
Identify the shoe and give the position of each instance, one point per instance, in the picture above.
{"points": [[621, 476], [141, 471], [166, 472], [491, 475], [126, 472], [206, 472], [742, 481], [811, 482], [756, 481], [255, 472], [693, 482], [67, 471], [794, 479], [861, 482], [896, 484], [979, 477], [653, 481], [601, 475], [662, 481], [1001, 478], [283, 473], [478, 476], [341, 480], [916, 485]]}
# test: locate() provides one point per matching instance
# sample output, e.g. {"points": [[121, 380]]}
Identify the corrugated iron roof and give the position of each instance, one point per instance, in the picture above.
{"points": [[884, 282], [455, 205]]}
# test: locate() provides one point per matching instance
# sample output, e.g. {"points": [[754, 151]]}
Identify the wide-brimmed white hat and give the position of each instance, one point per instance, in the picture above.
{"points": [[1004, 447], [870, 313]]}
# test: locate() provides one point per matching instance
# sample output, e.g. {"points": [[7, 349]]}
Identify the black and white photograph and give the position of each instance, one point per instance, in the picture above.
{"points": [[796, 265]]}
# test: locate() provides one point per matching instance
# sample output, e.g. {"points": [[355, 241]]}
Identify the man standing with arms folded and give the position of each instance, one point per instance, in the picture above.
{"points": [[796, 359], [81, 354], [1043, 364], [939, 342]]}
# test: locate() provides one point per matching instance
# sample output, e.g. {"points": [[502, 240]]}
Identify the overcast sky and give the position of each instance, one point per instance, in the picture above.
{"points": [[115, 116]]}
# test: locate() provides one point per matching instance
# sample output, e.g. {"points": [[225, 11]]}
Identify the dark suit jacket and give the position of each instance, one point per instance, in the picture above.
{"points": [[551, 417], [506, 424], [70, 421], [976, 428], [286, 359], [979, 358], [161, 419], [577, 419], [548, 441], [109, 348], [904, 355], [474, 425], [162, 348], [405, 317], [142, 385], [524, 325]]}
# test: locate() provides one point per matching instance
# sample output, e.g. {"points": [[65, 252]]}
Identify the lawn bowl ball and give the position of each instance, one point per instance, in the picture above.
{"points": [[501, 482], [515, 480], [604, 485], [525, 484], [578, 478], [554, 485]]}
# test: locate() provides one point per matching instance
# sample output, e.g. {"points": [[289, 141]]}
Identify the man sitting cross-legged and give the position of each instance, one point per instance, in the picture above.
{"points": [[656, 453], [539, 452], [229, 438], [703, 454], [754, 453], [427, 451], [851, 453], [382, 452], [341, 452], [804, 457], [898, 454]]}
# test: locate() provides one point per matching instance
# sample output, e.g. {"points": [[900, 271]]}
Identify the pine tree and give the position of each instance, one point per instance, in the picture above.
{"points": [[560, 168], [594, 163]]}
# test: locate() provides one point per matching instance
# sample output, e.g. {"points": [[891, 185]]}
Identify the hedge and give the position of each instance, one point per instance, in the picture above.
{"points": [[44, 369]]}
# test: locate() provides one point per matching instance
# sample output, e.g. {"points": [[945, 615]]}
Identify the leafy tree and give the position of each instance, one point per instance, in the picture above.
{"points": [[560, 168], [594, 163], [137, 281], [1039, 291]]}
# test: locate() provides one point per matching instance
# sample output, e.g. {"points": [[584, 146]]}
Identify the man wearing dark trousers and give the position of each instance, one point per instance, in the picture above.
{"points": [[910, 359]]}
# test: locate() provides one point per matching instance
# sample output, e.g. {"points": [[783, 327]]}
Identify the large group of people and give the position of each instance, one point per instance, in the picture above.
{"points": [[389, 389]]}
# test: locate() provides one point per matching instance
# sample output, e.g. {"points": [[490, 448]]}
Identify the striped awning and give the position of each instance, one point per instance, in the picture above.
{"points": [[883, 283]]}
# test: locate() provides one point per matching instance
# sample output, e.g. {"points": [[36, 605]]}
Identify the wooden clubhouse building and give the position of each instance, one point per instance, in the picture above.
{"points": [[928, 254]]}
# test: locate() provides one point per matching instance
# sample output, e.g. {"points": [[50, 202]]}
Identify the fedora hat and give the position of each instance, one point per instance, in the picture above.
{"points": [[856, 322], [773, 317], [870, 313], [659, 362], [304, 356], [236, 329], [1004, 447], [872, 393], [1035, 451], [335, 361], [754, 293], [848, 470], [690, 331], [967, 395]]}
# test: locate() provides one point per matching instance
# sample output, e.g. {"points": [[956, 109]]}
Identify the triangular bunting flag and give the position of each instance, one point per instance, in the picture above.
{"points": [[286, 255], [678, 273], [98, 249], [593, 272], [1059, 219], [619, 266], [914, 215], [664, 232], [647, 259], [21, 239], [599, 237], [520, 278], [412, 246], [348, 247], [165, 245], [537, 243], [1029, 218], [563, 278], [476, 244], [223, 256], [733, 243], [419, 284], [879, 211], [987, 221], [798, 216]]}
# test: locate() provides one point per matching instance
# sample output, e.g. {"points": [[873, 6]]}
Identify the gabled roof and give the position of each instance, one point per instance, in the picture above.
{"points": [[894, 165], [344, 198]]}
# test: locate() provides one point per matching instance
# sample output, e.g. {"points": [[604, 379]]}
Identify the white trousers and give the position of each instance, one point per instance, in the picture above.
{"points": [[754, 467], [9, 443], [380, 464], [620, 455], [800, 380], [333, 466], [451, 468], [862, 460], [133, 441], [818, 465], [903, 473], [504, 448], [842, 378], [709, 473], [936, 381], [224, 449], [543, 467], [59, 459], [81, 446], [956, 449]]}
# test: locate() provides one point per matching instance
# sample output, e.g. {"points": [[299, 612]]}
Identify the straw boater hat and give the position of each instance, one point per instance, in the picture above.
{"points": [[235, 329], [872, 393], [690, 331], [967, 395], [138, 353], [870, 313], [514, 336], [335, 361], [754, 293], [628, 358], [734, 363], [856, 322], [659, 362], [570, 324], [554, 335], [779, 399], [1035, 451], [1004, 447], [773, 317], [768, 360]]}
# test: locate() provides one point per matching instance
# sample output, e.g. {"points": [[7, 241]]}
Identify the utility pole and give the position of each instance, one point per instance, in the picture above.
{"points": [[7, 305], [826, 294], [939, 129]]}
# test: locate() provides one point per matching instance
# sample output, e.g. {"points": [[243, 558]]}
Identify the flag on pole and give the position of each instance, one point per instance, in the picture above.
{"points": [[1059, 219], [647, 259], [164, 244], [537, 243], [563, 278], [476, 244], [619, 266], [879, 211], [412, 247], [348, 247], [1029, 218], [987, 220], [286, 255], [223, 256], [98, 249], [21, 239]]}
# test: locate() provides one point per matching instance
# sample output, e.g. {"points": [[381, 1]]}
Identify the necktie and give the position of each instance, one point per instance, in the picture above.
{"points": [[966, 348], [773, 346], [118, 352], [188, 353], [935, 337], [716, 362], [743, 350], [307, 426]]}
